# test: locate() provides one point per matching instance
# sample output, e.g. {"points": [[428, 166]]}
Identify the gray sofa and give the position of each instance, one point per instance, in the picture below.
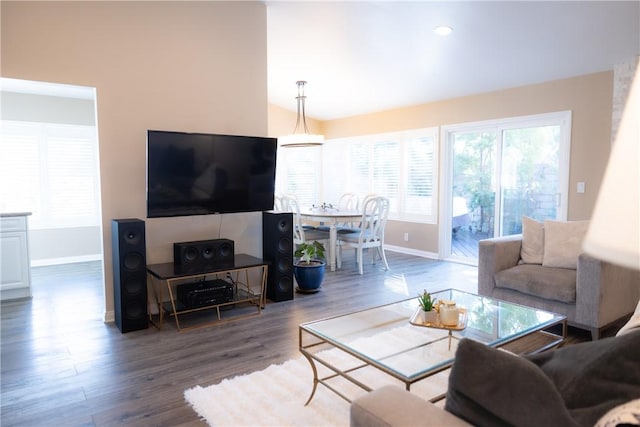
{"points": [[576, 385], [593, 296]]}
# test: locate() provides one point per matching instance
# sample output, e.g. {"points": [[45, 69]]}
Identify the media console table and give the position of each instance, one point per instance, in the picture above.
{"points": [[248, 298]]}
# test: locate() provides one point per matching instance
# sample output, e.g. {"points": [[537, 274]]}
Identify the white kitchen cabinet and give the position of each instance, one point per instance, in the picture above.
{"points": [[15, 268]]}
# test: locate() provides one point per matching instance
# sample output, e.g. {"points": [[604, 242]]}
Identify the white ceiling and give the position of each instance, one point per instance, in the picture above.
{"points": [[361, 57]]}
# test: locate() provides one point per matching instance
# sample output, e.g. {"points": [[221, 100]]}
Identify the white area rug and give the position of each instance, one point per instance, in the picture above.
{"points": [[276, 396]]}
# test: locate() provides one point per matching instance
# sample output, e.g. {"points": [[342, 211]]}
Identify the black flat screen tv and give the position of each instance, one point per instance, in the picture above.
{"points": [[200, 174]]}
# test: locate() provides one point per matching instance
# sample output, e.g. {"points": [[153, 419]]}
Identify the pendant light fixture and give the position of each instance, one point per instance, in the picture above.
{"points": [[301, 137]]}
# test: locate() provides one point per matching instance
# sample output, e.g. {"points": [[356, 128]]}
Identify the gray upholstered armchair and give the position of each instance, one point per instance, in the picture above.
{"points": [[593, 296]]}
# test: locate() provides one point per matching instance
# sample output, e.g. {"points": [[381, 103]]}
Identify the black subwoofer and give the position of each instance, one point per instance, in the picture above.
{"points": [[211, 253], [129, 274], [277, 248]]}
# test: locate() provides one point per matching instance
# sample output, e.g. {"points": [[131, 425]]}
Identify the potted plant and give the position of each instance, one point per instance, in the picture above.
{"points": [[309, 266], [428, 314]]}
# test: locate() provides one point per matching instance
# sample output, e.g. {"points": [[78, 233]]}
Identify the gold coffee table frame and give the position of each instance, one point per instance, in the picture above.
{"points": [[343, 332]]}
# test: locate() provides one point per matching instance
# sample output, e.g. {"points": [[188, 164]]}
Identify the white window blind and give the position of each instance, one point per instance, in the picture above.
{"points": [[298, 173], [375, 169], [420, 175], [50, 170], [401, 166], [19, 182]]}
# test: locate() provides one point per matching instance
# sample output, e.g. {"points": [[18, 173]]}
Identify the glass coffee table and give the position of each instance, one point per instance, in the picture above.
{"points": [[384, 338]]}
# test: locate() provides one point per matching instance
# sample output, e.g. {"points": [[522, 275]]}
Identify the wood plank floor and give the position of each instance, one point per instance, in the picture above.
{"points": [[464, 243], [61, 365]]}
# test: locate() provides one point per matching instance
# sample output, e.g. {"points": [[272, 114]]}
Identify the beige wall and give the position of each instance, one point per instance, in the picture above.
{"points": [[192, 66], [588, 97]]}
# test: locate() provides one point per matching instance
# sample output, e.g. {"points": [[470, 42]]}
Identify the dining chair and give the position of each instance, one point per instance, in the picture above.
{"points": [[289, 203], [277, 203], [347, 202], [375, 212], [365, 198], [284, 201], [355, 227], [302, 233]]}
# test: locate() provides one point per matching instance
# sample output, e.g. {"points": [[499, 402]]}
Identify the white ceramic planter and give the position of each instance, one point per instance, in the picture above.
{"points": [[429, 317]]}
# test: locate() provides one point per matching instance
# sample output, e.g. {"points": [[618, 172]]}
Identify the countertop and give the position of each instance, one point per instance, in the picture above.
{"points": [[7, 214]]}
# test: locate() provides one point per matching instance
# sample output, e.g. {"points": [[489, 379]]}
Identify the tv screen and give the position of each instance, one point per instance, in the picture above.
{"points": [[199, 174]]}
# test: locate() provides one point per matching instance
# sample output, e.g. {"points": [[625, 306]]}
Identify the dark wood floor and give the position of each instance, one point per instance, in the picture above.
{"points": [[61, 365]]}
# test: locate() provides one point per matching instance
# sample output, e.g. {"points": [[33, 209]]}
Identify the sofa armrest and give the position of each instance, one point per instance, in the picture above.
{"points": [[394, 406], [494, 255], [605, 292]]}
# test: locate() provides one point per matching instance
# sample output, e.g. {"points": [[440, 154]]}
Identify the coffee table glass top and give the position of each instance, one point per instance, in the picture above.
{"points": [[383, 337]]}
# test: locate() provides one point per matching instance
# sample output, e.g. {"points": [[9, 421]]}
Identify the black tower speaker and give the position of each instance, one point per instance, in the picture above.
{"points": [[214, 253], [277, 248], [129, 274]]}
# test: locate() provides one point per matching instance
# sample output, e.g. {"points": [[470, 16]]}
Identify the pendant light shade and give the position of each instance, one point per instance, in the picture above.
{"points": [[301, 137]]}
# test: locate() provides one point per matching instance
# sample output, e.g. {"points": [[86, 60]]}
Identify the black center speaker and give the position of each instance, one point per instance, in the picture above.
{"points": [[210, 253], [277, 248], [129, 274]]}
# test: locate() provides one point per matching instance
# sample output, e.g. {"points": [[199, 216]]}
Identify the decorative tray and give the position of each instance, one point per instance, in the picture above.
{"points": [[462, 321]]}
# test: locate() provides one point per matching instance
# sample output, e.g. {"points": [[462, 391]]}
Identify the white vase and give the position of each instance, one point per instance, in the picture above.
{"points": [[449, 313]]}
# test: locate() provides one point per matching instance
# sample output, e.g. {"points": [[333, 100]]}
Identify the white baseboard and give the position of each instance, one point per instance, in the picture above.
{"points": [[408, 251], [65, 260], [109, 316]]}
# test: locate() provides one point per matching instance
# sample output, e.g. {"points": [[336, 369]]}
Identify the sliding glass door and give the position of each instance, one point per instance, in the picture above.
{"points": [[498, 172], [530, 174]]}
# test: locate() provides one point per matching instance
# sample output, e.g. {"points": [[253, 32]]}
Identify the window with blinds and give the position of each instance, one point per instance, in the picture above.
{"points": [[420, 172], [298, 173], [50, 170], [401, 166]]}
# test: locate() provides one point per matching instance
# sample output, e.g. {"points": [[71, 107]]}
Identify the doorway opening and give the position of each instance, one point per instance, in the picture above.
{"points": [[49, 166]]}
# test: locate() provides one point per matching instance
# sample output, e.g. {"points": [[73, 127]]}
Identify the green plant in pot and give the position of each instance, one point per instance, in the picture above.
{"points": [[428, 313], [309, 266]]}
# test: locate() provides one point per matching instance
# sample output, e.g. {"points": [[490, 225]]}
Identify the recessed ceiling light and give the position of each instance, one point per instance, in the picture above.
{"points": [[443, 30]]}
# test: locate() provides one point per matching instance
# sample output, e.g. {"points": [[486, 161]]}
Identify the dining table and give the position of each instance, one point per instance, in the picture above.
{"points": [[331, 217]]}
